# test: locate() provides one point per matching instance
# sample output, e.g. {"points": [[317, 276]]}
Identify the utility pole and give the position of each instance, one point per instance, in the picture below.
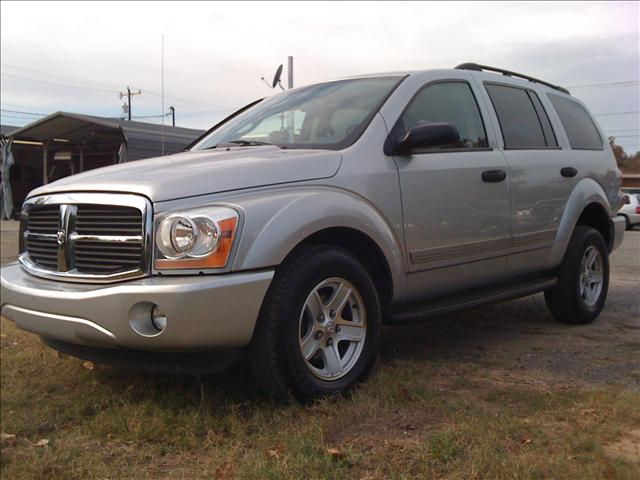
{"points": [[129, 94], [290, 71], [173, 116]]}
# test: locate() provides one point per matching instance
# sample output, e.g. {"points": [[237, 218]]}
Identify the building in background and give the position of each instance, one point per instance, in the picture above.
{"points": [[62, 144]]}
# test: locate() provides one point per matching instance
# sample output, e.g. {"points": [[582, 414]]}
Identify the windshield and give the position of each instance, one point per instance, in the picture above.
{"points": [[328, 115]]}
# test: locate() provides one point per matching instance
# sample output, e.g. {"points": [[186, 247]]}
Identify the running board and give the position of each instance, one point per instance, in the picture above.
{"points": [[415, 312]]}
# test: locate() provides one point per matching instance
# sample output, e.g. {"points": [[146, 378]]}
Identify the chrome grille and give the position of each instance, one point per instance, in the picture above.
{"points": [[108, 219], [87, 237], [43, 250]]}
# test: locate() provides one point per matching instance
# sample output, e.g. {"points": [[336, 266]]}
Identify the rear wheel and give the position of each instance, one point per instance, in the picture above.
{"points": [[318, 330], [583, 279]]}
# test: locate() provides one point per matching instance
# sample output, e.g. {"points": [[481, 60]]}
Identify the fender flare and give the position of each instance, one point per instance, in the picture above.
{"points": [[586, 192], [276, 222]]}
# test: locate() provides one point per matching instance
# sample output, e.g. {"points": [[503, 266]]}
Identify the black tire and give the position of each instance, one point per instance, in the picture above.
{"points": [[628, 225], [564, 300], [274, 353]]}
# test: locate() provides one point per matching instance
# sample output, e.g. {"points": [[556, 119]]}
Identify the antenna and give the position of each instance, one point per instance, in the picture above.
{"points": [[162, 80]]}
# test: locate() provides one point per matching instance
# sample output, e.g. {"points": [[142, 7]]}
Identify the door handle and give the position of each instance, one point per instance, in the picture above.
{"points": [[568, 172], [493, 176]]}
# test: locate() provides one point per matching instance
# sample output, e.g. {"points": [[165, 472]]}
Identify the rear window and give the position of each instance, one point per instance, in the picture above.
{"points": [[580, 129], [523, 121]]}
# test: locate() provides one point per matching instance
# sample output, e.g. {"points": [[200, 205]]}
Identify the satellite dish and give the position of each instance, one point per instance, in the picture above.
{"points": [[276, 77]]}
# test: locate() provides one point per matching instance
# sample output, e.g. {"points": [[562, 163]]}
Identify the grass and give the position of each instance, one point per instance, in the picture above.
{"points": [[412, 419]]}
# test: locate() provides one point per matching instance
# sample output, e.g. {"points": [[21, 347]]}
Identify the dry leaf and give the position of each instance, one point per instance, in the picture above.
{"points": [[276, 453], [528, 440], [226, 470], [335, 453], [7, 436], [88, 365], [42, 443]]}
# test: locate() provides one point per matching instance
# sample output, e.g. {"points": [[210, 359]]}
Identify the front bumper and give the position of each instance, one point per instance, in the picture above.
{"points": [[203, 312], [618, 227]]}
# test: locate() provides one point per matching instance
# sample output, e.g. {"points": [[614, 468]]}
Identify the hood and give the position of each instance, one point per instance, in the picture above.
{"points": [[198, 173]]}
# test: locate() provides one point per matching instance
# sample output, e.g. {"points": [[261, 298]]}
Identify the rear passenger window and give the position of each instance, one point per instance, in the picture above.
{"points": [[523, 121], [450, 102], [582, 133]]}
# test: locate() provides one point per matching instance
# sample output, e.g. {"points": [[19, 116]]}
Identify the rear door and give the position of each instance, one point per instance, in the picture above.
{"points": [[539, 191], [457, 225]]}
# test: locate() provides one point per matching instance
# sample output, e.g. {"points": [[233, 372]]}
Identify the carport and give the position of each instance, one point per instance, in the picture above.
{"points": [[63, 144]]}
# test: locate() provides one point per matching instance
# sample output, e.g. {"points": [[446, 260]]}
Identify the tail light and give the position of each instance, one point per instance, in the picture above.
{"points": [[638, 210]]}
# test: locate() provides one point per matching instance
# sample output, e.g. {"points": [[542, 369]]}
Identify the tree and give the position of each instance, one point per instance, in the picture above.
{"points": [[626, 163]]}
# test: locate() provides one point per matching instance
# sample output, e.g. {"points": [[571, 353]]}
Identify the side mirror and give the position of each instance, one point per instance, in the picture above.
{"points": [[429, 135]]}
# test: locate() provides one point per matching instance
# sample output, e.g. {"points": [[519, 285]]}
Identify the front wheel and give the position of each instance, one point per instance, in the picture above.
{"points": [[583, 279], [318, 330]]}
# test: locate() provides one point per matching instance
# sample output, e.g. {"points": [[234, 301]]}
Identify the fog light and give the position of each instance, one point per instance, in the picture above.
{"points": [[158, 318]]}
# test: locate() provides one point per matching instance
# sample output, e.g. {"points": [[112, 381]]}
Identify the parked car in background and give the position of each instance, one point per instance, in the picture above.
{"points": [[294, 229], [630, 211]]}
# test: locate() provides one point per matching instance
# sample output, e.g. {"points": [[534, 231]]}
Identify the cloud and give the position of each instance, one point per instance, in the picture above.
{"points": [[215, 53]]}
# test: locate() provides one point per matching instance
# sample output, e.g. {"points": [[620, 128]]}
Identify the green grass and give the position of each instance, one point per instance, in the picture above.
{"points": [[412, 419]]}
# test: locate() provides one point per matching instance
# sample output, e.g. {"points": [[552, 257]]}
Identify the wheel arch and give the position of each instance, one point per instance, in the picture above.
{"points": [[361, 246], [323, 216], [587, 205]]}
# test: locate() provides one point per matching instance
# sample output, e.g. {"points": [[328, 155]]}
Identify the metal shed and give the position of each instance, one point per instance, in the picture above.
{"points": [[64, 143]]}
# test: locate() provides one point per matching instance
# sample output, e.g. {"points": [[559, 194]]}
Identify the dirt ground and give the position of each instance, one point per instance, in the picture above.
{"points": [[499, 392], [521, 333]]}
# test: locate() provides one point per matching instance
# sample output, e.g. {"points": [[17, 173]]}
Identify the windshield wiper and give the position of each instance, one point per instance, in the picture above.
{"points": [[243, 143]]}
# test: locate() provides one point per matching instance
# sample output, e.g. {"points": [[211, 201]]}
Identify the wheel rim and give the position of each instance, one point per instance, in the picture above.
{"points": [[332, 329], [591, 276]]}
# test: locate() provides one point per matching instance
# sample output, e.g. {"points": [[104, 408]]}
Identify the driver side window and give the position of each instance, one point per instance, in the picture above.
{"points": [[448, 102]]}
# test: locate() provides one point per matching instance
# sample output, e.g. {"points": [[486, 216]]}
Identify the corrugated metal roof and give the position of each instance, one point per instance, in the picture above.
{"points": [[6, 130], [143, 140]]}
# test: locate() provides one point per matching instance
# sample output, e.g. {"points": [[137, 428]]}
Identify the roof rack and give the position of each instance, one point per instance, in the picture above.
{"points": [[479, 68]]}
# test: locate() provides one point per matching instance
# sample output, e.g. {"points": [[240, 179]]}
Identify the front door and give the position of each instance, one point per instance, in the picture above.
{"points": [[455, 199]]}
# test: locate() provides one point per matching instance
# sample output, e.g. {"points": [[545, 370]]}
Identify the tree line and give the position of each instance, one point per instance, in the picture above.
{"points": [[628, 163]]}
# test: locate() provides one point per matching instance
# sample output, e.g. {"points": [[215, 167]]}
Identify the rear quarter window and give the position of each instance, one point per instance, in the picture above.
{"points": [[580, 129], [523, 125]]}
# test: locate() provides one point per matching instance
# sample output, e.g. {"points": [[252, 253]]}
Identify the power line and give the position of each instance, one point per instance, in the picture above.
{"points": [[16, 116], [626, 83], [25, 113], [57, 84], [153, 116], [94, 84], [617, 113], [60, 76]]}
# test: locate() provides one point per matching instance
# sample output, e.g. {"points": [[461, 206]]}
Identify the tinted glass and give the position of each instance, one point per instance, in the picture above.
{"points": [[453, 103], [582, 133], [517, 116], [327, 115], [547, 130]]}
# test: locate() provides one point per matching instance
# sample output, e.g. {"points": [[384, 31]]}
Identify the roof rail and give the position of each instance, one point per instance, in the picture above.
{"points": [[479, 68]]}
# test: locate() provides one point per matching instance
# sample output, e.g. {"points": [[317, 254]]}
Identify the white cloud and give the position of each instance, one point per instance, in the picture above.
{"points": [[215, 53]]}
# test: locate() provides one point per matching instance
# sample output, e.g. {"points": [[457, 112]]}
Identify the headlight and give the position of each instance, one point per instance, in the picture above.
{"points": [[195, 239]]}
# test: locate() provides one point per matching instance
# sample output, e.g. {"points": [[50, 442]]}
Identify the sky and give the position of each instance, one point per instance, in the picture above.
{"points": [[78, 56]]}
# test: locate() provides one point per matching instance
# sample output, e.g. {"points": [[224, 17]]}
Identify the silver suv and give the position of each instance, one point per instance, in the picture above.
{"points": [[296, 227]]}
